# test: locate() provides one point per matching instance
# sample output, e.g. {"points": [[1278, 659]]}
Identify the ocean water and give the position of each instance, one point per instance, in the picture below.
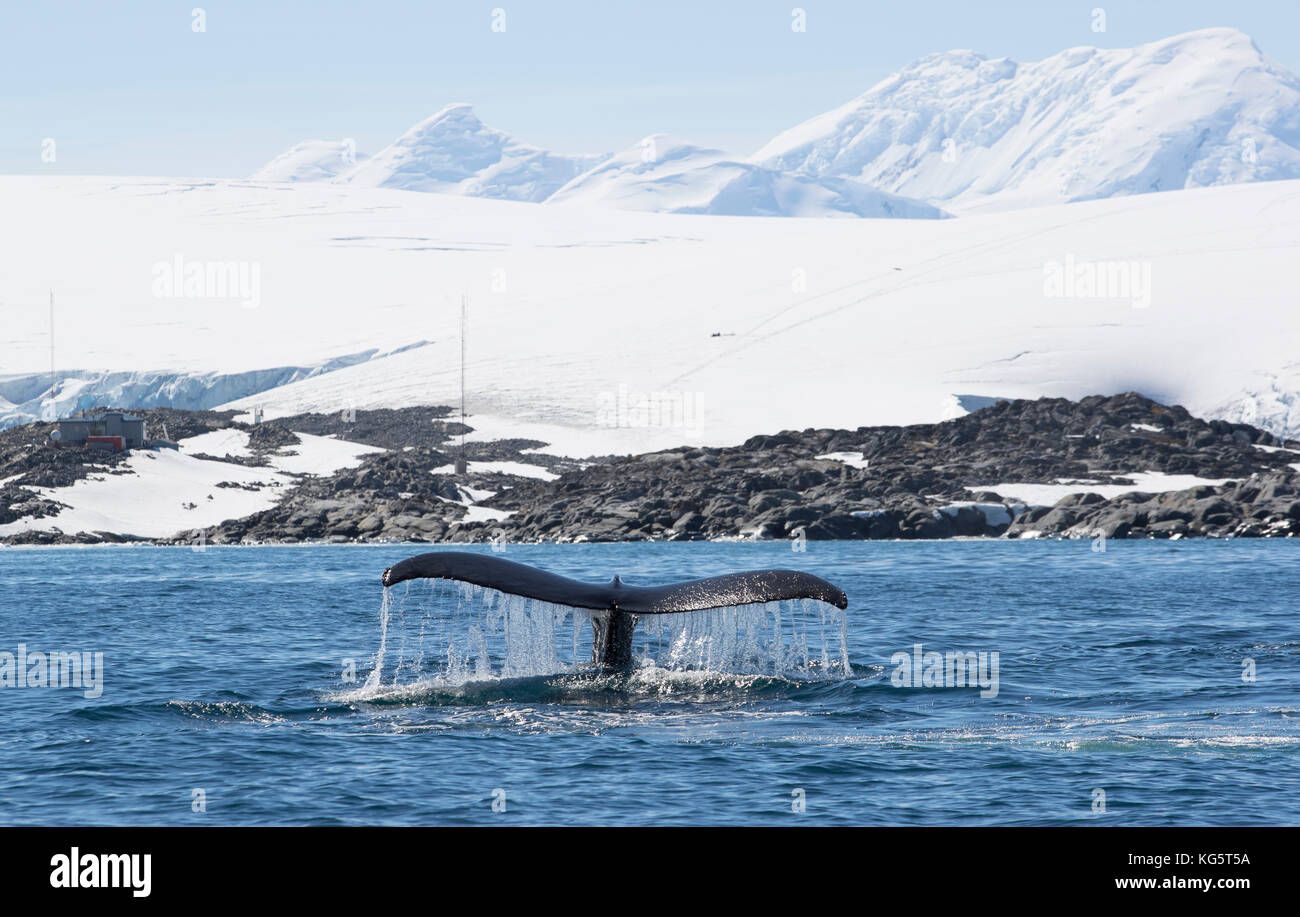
{"points": [[228, 698]]}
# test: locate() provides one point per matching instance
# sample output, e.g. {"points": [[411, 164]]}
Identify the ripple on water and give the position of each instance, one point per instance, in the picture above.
{"points": [[230, 675]]}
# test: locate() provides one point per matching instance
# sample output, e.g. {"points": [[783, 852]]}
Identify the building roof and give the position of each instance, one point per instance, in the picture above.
{"points": [[100, 416]]}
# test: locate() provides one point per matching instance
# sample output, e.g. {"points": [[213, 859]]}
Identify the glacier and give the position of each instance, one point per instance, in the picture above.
{"points": [[25, 398], [765, 324], [583, 289]]}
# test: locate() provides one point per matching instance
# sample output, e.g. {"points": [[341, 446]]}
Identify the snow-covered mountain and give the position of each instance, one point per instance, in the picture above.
{"points": [[667, 175], [453, 152], [971, 133], [311, 160], [955, 130]]}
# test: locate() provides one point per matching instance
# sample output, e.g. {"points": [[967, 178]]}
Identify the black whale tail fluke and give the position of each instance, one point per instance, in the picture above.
{"points": [[619, 604]]}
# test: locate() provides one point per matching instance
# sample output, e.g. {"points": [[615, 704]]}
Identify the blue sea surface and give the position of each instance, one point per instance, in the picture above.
{"points": [[1121, 697]]}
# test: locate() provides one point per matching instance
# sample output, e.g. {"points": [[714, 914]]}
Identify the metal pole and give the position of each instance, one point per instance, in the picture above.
{"points": [[462, 465], [53, 411]]}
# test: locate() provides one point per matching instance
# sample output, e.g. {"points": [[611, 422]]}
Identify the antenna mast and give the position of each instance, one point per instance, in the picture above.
{"points": [[53, 410], [462, 466]]}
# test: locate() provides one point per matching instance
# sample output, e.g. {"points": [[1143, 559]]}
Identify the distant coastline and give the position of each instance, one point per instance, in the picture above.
{"points": [[1113, 467]]}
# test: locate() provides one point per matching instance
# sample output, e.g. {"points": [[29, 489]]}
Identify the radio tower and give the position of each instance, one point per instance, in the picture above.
{"points": [[462, 466], [54, 414]]}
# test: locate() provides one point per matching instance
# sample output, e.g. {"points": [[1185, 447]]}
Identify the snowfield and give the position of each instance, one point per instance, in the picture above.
{"points": [[521, 469], [318, 455], [604, 331], [160, 492], [1151, 482]]}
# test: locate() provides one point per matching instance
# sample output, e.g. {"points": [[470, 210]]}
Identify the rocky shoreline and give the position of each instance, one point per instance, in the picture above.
{"points": [[936, 481], [975, 476]]}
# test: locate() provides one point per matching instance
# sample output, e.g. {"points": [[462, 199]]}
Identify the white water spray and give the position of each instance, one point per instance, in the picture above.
{"points": [[450, 633]]}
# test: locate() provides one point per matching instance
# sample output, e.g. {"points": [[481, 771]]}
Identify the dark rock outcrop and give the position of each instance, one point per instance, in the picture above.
{"points": [[930, 480], [958, 478]]}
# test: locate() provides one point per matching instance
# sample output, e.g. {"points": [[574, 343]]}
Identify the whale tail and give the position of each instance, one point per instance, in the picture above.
{"points": [[616, 604]]}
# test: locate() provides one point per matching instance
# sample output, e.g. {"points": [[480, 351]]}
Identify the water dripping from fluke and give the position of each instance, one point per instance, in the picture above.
{"points": [[462, 619]]}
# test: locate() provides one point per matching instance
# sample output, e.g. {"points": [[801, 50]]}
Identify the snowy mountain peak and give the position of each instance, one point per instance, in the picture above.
{"points": [[956, 130], [659, 153], [666, 174], [1220, 36], [451, 152], [453, 121], [311, 160], [970, 132], [958, 58], [454, 111]]}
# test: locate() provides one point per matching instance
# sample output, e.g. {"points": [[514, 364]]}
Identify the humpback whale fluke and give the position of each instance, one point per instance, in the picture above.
{"points": [[617, 605]]}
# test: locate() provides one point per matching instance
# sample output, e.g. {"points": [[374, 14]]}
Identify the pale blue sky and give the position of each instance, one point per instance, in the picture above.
{"points": [[130, 88]]}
